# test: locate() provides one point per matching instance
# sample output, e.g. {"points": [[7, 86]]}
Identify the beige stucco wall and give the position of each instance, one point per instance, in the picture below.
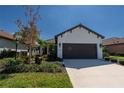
{"points": [[79, 35]]}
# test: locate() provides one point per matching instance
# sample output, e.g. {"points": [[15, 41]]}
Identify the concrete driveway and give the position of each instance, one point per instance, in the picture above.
{"points": [[95, 73]]}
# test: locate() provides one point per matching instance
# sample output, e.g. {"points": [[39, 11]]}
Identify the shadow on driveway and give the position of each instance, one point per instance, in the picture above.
{"points": [[84, 63]]}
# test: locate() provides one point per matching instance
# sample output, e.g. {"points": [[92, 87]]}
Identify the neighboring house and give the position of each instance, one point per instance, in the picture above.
{"points": [[51, 41], [114, 45], [8, 42], [79, 42]]}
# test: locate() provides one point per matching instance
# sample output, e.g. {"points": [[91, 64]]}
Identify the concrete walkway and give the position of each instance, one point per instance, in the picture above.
{"points": [[95, 73]]}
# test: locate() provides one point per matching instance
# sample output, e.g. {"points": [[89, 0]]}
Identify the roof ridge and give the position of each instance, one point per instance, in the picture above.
{"points": [[6, 35]]}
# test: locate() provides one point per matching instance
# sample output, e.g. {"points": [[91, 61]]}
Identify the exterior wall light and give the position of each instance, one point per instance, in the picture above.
{"points": [[100, 45]]}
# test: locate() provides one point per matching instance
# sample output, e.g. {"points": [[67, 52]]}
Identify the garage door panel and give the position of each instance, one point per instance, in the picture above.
{"points": [[79, 51]]}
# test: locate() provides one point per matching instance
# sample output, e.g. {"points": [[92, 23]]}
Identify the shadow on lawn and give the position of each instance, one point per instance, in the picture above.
{"points": [[4, 76], [85, 63]]}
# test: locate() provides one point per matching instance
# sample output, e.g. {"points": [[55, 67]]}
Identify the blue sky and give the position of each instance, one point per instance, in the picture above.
{"points": [[106, 20]]}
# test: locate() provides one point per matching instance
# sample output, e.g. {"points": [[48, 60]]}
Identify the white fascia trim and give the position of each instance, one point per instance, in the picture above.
{"points": [[18, 50]]}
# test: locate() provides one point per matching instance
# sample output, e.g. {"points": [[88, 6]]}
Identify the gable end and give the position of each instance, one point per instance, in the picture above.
{"points": [[80, 25]]}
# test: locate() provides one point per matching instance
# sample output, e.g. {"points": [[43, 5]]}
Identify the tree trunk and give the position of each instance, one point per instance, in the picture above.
{"points": [[30, 52], [47, 50]]}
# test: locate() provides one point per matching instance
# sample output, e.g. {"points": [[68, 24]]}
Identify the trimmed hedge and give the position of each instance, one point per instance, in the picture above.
{"points": [[115, 59], [107, 58], [50, 58], [121, 62], [7, 62], [112, 59], [7, 54], [18, 66]]}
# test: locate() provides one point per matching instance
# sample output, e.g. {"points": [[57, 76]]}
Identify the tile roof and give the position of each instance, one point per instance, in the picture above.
{"points": [[6, 35], [112, 41], [52, 41]]}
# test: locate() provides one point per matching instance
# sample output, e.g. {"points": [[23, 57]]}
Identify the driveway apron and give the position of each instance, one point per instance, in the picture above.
{"points": [[95, 73]]}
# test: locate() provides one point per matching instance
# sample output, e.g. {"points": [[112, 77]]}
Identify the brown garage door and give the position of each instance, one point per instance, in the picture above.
{"points": [[79, 51]]}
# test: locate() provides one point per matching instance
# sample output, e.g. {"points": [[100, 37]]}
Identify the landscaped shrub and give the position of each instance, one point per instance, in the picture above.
{"points": [[121, 62], [113, 60], [32, 68], [7, 54], [21, 68], [107, 58], [25, 59], [105, 52], [50, 58], [38, 59], [18, 66], [4, 63], [50, 67], [59, 59], [10, 64], [52, 53]]}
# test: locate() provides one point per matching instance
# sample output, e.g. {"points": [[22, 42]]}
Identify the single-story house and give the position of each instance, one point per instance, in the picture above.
{"points": [[8, 42], [51, 41], [114, 45], [79, 42]]}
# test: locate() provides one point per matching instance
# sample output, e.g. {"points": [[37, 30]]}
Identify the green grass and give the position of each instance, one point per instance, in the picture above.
{"points": [[35, 80], [117, 57]]}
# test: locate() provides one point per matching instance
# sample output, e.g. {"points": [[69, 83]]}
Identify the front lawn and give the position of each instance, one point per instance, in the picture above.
{"points": [[35, 80], [117, 57], [18, 74]]}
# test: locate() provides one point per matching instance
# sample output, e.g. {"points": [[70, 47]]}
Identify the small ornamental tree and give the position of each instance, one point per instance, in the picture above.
{"points": [[29, 31]]}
